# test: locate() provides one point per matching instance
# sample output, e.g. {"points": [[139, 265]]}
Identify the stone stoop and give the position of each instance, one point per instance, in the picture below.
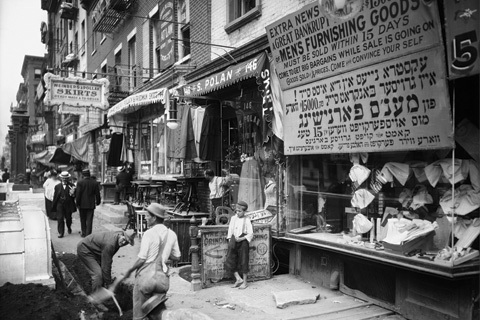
{"points": [[114, 214]]}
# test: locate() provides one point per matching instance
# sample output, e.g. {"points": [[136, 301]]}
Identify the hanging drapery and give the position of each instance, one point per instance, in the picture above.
{"points": [[78, 148]]}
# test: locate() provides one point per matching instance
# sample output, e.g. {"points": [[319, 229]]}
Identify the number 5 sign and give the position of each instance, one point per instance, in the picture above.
{"points": [[462, 18]]}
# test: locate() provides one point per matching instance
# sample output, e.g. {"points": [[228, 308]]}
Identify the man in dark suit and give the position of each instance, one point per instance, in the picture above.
{"points": [[87, 197], [123, 180], [64, 203]]}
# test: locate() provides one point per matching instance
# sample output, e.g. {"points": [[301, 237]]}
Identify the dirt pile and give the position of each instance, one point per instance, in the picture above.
{"points": [[36, 301]]}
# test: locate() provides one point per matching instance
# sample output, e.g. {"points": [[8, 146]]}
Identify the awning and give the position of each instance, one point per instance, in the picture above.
{"points": [[78, 148], [43, 158], [233, 74], [60, 157], [136, 101]]}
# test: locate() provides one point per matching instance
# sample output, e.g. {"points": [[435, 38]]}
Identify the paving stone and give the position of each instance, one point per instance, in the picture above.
{"points": [[285, 299]]}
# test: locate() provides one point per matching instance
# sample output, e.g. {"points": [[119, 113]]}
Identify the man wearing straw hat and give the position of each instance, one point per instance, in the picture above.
{"points": [[158, 245], [64, 203]]}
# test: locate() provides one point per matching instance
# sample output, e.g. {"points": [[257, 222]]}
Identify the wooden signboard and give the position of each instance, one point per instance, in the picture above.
{"points": [[214, 247]]}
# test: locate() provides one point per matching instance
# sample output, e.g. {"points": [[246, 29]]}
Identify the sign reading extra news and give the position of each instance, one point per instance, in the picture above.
{"points": [[319, 41], [74, 94], [402, 104]]}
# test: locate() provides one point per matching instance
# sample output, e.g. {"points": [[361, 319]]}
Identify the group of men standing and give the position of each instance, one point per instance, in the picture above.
{"points": [[63, 197]]}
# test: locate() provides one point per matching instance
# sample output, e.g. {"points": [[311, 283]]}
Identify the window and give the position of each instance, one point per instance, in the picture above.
{"points": [[38, 74], [132, 48], [82, 49], [241, 12], [118, 72], [94, 37], [184, 28]]}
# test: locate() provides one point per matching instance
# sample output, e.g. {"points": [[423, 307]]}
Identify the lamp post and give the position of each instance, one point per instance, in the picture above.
{"points": [[194, 249]]}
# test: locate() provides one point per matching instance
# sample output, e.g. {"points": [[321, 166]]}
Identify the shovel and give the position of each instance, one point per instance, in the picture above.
{"points": [[103, 294]]}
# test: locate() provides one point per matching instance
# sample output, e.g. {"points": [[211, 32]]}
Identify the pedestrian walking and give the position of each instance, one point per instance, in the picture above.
{"points": [[240, 234], [87, 197], [158, 245], [64, 203], [49, 190], [97, 250], [6, 175]]}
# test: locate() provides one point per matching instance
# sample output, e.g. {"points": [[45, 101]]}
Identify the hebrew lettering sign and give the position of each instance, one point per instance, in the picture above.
{"points": [[402, 104]]}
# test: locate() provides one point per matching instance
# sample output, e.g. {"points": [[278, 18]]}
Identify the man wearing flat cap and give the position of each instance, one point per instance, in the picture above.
{"points": [[97, 250], [87, 197], [63, 203], [159, 244]]}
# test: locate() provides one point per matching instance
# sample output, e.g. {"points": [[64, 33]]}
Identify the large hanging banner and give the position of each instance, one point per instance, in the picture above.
{"points": [[401, 104], [463, 37], [319, 41]]}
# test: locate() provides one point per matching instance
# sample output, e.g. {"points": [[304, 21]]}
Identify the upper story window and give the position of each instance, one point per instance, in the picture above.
{"points": [[38, 74], [94, 37], [241, 12]]}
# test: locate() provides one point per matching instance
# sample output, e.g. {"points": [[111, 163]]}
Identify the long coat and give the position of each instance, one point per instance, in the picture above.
{"points": [[88, 193], [63, 196]]}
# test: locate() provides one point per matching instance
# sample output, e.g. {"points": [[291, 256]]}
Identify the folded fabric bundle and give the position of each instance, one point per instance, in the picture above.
{"points": [[401, 171], [359, 174], [418, 168], [421, 197], [454, 172], [362, 198], [361, 224], [405, 198], [464, 200]]}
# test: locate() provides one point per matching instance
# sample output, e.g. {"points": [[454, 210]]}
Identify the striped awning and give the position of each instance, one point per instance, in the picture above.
{"points": [[136, 101]]}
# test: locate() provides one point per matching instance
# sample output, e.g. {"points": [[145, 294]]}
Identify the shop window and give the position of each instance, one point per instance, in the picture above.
{"points": [[241, 12]]}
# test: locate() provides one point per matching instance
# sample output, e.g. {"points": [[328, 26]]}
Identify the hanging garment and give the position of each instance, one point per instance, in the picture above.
{"points": [[115, 151], [197, 115], [250, 187], [190, 150]]}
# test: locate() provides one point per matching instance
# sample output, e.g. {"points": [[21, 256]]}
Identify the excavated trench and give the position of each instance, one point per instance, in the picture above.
{"points": [[68, 300]]}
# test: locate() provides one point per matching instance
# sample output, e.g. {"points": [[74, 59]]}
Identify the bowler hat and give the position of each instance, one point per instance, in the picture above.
{"points": [[86, 172], [130, 236], [65, 175], [158, 210]]}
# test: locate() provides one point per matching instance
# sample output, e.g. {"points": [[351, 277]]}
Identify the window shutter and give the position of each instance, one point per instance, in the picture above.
{"points": [[146, 50]]}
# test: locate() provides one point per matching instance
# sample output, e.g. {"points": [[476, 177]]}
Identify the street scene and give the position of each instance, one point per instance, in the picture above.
{"points": [[259, 159]]}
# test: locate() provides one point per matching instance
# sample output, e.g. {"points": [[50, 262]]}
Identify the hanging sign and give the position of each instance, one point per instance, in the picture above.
{"points": [[463, 37], [319, 41], [167, 54], [75, 94], [402, 104]]}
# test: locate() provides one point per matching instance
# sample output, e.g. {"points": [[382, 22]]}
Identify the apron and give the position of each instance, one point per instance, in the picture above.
{"points": [[143, 277]]}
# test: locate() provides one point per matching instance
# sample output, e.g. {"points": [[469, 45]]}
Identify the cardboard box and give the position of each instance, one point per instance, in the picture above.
{"points": [[423, 243]]}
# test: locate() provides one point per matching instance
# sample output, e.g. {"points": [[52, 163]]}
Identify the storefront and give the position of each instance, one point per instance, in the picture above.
{"points": [[382, 174]]}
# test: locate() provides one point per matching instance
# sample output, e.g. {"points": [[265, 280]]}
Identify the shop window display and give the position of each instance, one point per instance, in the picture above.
{"points": [[361, 195]]}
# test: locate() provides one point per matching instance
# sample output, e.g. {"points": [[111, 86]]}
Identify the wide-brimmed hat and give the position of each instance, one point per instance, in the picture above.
{"points": [[65, 175], [158, 210], [120, 169], [130, 236]]}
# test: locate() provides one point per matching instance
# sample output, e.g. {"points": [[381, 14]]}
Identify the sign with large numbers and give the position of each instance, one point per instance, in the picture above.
{"points": [[214, 252], [463, 42], [402, 104], [317, 42]]}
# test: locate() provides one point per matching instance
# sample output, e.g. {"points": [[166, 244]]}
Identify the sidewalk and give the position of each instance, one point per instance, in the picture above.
{"points": [[221, 301]]}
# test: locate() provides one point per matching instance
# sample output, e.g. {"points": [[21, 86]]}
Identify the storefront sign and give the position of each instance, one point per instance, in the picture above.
{"points": [[214, 253], [258, 215], [401, 104], [311, 44], [74, 93], [165, 34], [135, 101], [248, 69], [463, 38], [38, 138]]}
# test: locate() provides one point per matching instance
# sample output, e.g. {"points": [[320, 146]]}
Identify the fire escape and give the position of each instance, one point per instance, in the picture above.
{"points": [[109, 13]]}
